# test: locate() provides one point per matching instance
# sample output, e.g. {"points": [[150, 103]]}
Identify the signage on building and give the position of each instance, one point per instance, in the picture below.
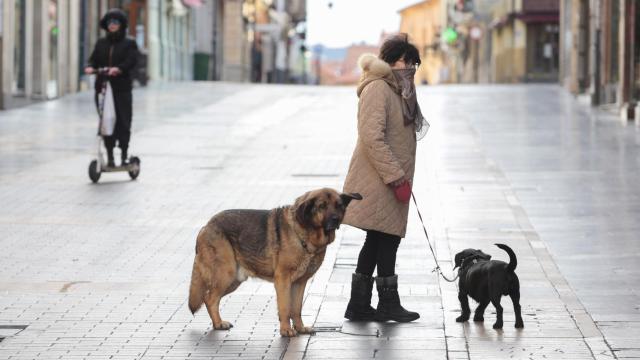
{"points": [[192, 3]]}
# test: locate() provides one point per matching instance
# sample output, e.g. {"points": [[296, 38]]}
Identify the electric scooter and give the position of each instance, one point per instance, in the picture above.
{"points": [[98, 165]]}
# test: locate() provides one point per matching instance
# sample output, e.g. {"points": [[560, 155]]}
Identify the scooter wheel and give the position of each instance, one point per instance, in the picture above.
{"points": [[134, 162], [94, 171]]}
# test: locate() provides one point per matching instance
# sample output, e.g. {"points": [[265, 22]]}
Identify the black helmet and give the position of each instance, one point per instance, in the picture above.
{"points": [[114, 14]]}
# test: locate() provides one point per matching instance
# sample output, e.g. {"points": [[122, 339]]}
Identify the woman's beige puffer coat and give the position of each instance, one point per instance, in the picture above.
{"points": [[385, 152]]}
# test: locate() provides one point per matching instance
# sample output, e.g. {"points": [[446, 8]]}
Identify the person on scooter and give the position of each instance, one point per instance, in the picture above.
{"points": [[117, 53]]}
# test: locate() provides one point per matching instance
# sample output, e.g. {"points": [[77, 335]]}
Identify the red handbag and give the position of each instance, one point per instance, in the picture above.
{"points": [[403, 192]]}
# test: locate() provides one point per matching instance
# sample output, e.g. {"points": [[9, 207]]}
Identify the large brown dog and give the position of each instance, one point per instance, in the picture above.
{"points": [[285, 246]]}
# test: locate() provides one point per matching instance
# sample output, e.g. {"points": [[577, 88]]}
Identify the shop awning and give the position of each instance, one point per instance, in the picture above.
{"points": [[534, 18], [527, 17]]}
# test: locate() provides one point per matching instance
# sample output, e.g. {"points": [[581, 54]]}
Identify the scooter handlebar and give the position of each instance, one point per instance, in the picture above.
{"points": [[101, 71]]}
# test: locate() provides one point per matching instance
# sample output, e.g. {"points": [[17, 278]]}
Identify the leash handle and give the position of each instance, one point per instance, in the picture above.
{"points": [[437, 268]]}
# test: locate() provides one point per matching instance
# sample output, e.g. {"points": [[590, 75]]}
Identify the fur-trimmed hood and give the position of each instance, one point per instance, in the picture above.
{"points": [[114, 14], [374, 69]]}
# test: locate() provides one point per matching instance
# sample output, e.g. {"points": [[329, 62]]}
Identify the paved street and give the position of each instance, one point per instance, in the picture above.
{"points": [[101, 271]]}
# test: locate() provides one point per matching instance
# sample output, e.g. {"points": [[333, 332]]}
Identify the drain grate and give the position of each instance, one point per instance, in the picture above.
{"points": [[344, 265], [327, 329], [10, 330]]}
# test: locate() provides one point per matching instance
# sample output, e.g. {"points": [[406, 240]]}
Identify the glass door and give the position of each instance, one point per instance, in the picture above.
{"points": [[636, 57], [19, 66], [52, 83]]}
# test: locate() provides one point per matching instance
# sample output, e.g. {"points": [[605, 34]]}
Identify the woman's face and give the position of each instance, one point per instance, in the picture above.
{"points": [[401, 64], [114, 26]]}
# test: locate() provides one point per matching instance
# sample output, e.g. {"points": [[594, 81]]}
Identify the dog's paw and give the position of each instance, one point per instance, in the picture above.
{"points": [[305, 330], [224, 325], [497, 325], [519, 325], [462, 318], [287, 332], [478, 318]]}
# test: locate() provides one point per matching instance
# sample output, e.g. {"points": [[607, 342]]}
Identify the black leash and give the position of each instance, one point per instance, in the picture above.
{"points": [[437, 268]]}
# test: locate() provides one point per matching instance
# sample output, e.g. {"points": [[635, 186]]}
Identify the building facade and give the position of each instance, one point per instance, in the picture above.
{"points": [[525, 41], [45, 44], [600, 55], [424, 23], [42, 48]]}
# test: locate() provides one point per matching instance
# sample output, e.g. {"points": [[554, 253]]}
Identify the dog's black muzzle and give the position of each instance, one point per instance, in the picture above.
{"points": [[332, 223]]}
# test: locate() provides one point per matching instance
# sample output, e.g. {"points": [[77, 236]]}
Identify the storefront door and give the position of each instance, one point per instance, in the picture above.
{"points": [[20, 48], [53, 81]]}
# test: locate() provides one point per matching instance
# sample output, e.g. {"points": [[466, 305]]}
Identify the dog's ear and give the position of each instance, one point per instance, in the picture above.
{"points": [[304, 212], [347, 197], [458, 260], [480, 254]]}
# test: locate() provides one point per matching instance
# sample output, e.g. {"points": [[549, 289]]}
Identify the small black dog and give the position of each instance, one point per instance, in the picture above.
{"points": [[487, 280]]}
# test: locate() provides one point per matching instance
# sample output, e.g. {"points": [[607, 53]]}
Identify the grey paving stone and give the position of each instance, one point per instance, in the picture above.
{"points": [[102, 271]]}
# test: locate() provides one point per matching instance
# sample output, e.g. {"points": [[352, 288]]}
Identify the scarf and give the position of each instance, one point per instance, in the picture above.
{"points": [[410, 107], [117, 36]]}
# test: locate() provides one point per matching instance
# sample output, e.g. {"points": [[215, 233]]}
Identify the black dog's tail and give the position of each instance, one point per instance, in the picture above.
{"points": [[513, 261]]}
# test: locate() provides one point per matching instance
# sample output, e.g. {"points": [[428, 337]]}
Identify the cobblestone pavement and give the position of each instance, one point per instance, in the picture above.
{"points": [[101, 271]]}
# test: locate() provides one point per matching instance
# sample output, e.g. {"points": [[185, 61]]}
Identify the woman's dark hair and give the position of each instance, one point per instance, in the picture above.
{"points": [[398, 47]]}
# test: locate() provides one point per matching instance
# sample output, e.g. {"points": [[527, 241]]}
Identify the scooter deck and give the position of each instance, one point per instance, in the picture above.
{"points": [[129, 167]]}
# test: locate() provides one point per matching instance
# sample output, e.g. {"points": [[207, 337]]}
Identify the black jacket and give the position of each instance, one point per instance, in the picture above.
{"points": [[115, 50]]}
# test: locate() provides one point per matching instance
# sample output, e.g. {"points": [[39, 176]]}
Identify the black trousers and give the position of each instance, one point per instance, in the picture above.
{"points": [[379, 250], [123, 101]]}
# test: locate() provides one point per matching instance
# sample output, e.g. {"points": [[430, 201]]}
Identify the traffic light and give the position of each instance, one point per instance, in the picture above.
{"points": [[450, 35]]}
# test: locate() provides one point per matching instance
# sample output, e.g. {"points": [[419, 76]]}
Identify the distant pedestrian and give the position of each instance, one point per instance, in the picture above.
{"points": [[381, 169], [117, 53]]}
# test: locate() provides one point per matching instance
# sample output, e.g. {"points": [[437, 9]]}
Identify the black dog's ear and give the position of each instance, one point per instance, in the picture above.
{"points": [[480, 254], [458, 260], [347, 197], [304, 212]]}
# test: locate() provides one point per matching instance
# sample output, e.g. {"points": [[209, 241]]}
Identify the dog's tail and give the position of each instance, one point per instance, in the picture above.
{"points": [[196, 290], [513, 261]]}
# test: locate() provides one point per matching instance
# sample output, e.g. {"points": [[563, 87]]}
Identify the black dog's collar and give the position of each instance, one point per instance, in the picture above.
{"points": [[468, 261]]}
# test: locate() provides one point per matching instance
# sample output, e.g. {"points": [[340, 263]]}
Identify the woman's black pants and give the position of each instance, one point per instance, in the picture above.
{"points": [[380, 250], [123, 101]]}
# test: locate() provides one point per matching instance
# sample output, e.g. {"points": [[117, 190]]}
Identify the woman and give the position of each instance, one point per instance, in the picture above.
{"points": [[117, 53], [381, 169]]}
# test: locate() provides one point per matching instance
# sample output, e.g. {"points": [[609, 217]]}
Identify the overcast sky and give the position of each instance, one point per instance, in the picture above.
{"points": [[352, 21]]}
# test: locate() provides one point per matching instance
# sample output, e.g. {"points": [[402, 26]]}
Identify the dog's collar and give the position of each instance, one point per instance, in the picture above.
{"points": [[466, 263], [300, 237]]}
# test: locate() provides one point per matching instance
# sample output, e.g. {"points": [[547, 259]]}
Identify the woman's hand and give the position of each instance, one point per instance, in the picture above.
{"points": [[89, 70], [114, 71], [402, 190]]}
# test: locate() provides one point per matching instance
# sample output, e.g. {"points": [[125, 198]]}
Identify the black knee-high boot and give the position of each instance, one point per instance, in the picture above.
{"points": [[359, 307], [389, 307]]}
